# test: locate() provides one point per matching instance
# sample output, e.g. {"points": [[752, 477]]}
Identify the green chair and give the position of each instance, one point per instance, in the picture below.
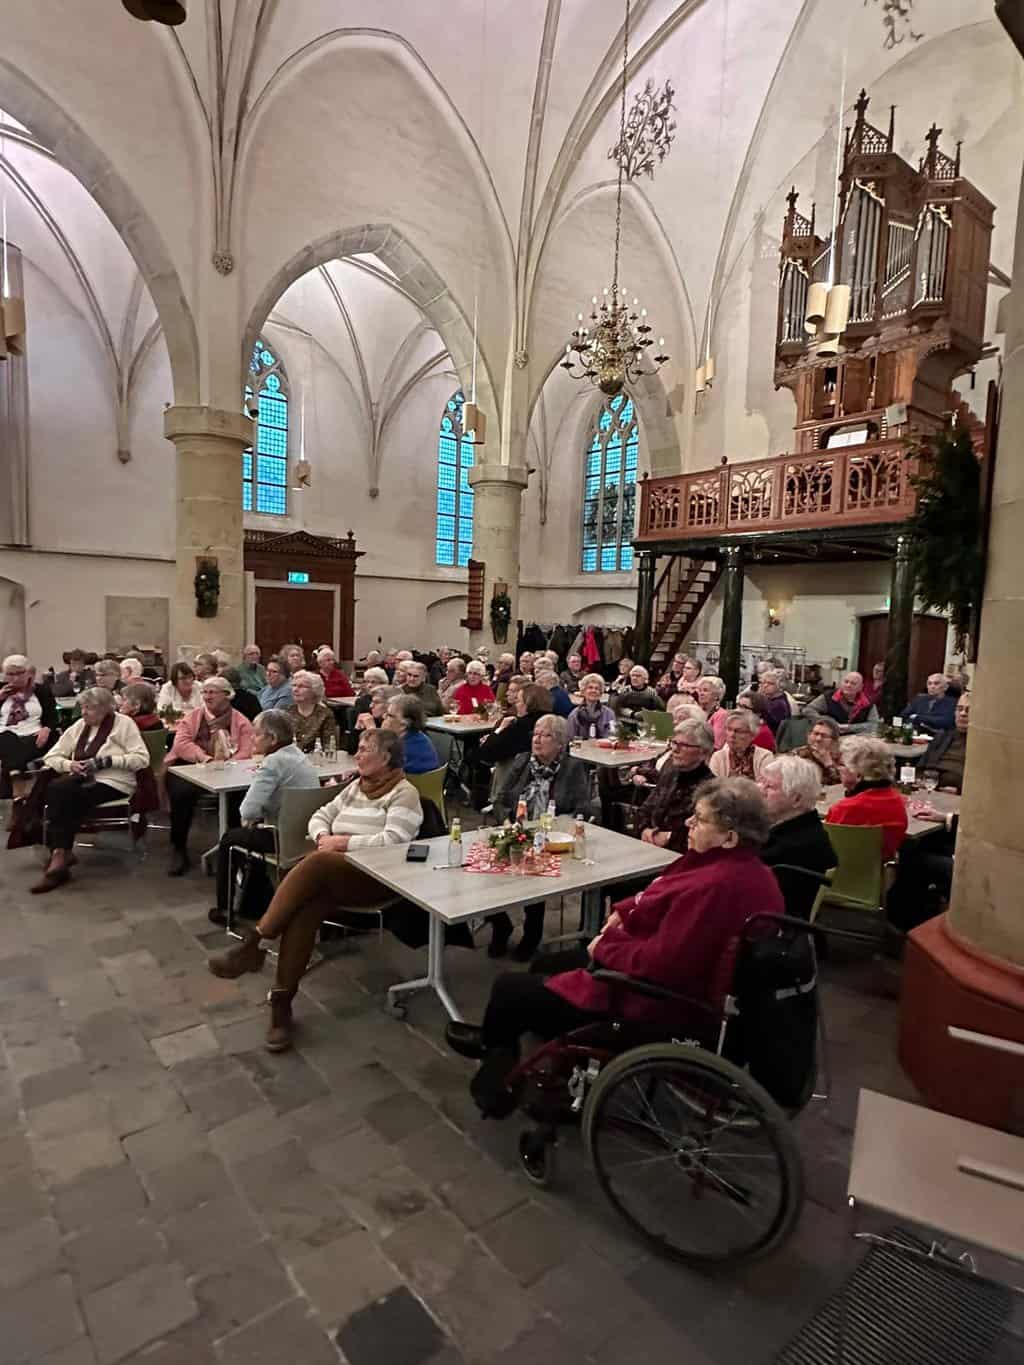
{"points": [[431, 787], [659, 723], [792, 733], [858, 882]]}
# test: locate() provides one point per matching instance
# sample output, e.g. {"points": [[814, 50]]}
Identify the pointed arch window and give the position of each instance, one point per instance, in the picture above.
{"points": [[265, 476], [609, 488], [455, 456]]}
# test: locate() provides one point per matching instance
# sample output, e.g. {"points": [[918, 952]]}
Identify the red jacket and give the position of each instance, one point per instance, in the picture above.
{"points": [[186, 750], [470, 697], [677, 932], [882, 806], [336, 683]]}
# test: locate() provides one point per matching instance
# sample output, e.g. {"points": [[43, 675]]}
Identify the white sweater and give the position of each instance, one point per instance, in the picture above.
{"points": [[124, 746], [170, 697], [391, 819]]}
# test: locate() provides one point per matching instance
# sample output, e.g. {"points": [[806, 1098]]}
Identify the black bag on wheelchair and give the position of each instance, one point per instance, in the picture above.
{"points": [[776, 1032]]}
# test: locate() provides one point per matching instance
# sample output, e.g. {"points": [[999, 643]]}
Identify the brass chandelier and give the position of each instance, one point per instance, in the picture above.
{"points": [[610, 352]]}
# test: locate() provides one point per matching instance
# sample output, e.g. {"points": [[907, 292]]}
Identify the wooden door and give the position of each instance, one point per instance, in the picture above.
{"points": [[301, 616], [927, 647]]}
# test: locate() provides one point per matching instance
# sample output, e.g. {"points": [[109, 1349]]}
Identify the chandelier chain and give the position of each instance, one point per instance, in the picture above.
{"points": [[622, 139]]}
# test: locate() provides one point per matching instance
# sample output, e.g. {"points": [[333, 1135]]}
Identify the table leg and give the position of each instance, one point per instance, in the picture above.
{"points": [[222, 829], [590, 917], [434, 979]]}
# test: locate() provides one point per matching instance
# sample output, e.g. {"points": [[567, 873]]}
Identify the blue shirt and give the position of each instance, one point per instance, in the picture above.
{"points": [[286, 767], [561, 702], [420, 754], [274, 698], [932, 713]]}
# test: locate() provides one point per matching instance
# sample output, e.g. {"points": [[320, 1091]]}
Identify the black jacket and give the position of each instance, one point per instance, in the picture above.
{"points": [[631, 703], [799, 842], [64, 687], [246, 703], [570, 790], [514, 739]]}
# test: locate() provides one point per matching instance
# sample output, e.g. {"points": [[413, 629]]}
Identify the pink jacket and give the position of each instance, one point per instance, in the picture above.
{"points": [[186, 750]]}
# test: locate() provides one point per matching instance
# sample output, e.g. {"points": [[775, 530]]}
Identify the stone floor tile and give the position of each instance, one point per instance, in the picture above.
{"points": [[544, 1342], [185, 1046], [437, 1153], [111, 1249], [40, 1317], [428, 1249], [140, 1308], [301, 1214], [589, 1298], [75, 1114], [110, 1039], [32, 1250], [647, 1339], [46, 1086], [49, 1054], [200, 1072], [224, 1100], [250, 1135], [399, 1115], [285, 1080], [393, 1330], [483, 1307], [15, 1155], [60, 1160], [79, 1352], [166, 1143], [242, 1035], [381, 1203], [350, 1158], [211, 1234], [529, 1241], [188, 1345], [247, 1287], [96, 1196], [182, 1185], [323, 1120], [289, 1334], [140, 1101], [344, 1276], [482, 1193]]}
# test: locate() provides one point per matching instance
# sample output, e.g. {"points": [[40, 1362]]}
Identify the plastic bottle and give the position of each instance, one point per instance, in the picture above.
{"points": [[521, 811], [318, 753], [593, 732], [579, 840], [455, 844]]}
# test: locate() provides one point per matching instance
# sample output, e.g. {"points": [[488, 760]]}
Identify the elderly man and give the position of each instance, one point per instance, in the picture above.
{"points": [[791, 787], [776, 703], [637, 696], [662, 818], [251, 670], [416, 685], [505, 671], [131, 670], [849, 705], [454, 677], [933, 710], [572, 677]]}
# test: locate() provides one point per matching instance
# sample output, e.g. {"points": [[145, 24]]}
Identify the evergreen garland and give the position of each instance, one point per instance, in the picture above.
{"points": [[946, 558]]}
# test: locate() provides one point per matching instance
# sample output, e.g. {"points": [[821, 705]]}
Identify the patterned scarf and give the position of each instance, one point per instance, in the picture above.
{"points": [[537, 792], [210, 725], [86, 748], [376, 787], [18, 697], [741, 765]]}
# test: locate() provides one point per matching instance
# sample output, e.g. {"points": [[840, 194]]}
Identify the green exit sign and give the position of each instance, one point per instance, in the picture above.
{"points": [[295, 577]]}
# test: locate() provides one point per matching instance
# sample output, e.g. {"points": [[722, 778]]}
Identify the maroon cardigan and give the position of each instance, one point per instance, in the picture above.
{"points": [[677, 932]]}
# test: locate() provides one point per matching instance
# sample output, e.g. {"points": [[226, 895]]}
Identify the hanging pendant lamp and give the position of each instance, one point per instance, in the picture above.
{"points": [[171, 12]]}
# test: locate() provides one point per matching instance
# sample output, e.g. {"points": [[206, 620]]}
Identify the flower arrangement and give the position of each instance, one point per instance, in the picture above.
{"points": [[628, 729], [501, 615], [509, 838], [207, 588]]}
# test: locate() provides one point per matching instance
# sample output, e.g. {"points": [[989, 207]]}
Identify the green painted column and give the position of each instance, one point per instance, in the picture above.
{"points": [[901, 623], [732, 620], [645, 606]]}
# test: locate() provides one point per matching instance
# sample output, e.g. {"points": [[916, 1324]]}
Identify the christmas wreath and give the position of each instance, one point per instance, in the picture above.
{"points": [[207, 589], [501, 615]]}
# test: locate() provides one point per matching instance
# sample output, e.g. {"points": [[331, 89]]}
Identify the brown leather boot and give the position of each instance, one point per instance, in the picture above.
{"points": [[279, 1035], [246, 956]]}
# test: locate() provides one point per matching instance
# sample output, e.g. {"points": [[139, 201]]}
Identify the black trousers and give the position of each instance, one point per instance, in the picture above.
{"points": [[259, 838], [522, 1003], [183, 797], [16, 753], [924, 879], [533, 923], [69, 801]]}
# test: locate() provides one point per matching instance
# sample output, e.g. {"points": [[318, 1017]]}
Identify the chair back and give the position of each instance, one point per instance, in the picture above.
{"points": [[156, 743], [792, 734], [659, 723], [442, 744], [499, 776], [431, 787], [857, 880], [297, 806]]}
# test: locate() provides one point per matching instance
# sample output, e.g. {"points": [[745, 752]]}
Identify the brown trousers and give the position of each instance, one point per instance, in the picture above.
{"points": [[320, 885]]}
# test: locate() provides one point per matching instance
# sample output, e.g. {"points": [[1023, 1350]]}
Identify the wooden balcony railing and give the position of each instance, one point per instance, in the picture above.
{"points": [[856, 486]]}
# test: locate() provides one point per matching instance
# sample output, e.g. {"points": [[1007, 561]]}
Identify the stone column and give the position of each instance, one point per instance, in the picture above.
{"points": [[901, 624], [732, 620], [209, 445], [644, 605], [966, 968], [497, 513]]}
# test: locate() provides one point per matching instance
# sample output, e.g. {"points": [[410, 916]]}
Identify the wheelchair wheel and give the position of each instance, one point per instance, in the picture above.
{"points": [[693, 1154]]}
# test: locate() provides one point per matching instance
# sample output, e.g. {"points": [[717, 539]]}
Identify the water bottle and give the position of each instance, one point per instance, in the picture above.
{"points": [[455, 844], [593, 732], [318, 753], [579, 840]]}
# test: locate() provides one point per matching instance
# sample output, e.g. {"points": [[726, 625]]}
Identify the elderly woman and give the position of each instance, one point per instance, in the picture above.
{"points": [[670, 679], [685, 693], [373, 717], [96, 760], [662, 819], [283, 765], [28, 718], [138, 700], [637, 696], [418, 685], [278, 691], [514, 733], [849, 705], [475, 691], [777, 708], [108, 674], [455, 676], [181, 692], [131, 670], [214, 731], [242, 700], [871, 799], [75, 676], [379, 808], [336, 680], [591, 719], [526, 662], [204, 666], [710, 691], [294, 656], [561, 702], [404, 717], [822, 749], [620, 683], [755, 703], [739, 756], [675, 932], [791, 788], [546, 774], [254, 675], [311, 717]]}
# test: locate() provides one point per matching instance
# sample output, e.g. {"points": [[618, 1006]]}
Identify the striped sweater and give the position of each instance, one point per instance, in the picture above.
{"points": [[391, 819]]}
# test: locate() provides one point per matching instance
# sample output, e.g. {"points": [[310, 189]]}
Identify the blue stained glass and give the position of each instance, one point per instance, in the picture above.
{"points": [[616, 403], [265, 480], [272, 441], [465, 553], [246, 464], [273, 412], [447, 450], [445, 553], [466, 506], [445, 502], [273, 384], [468, 454], [247, 497], [589, 561], [269, 470], [270, 499], [446, 528], [455, 456], [626, 415], [592, 488], [447, 476], [609, 555], [606, 420], [609, 489], [626, 557]]}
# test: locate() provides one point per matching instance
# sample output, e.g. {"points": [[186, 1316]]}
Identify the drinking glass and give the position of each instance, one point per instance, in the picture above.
{"points": [[331, 748], [929, 779]]}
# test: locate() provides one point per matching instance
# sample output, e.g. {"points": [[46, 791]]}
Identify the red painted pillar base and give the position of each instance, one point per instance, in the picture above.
{"points": [[945, 982]]}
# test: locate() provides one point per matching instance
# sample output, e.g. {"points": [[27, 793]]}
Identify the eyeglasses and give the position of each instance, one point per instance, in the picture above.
{"points": [[684, 744]]}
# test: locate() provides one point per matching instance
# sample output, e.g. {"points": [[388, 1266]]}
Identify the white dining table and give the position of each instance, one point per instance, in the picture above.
{"points": [[946, 803], [221, 779], [454, 895], [592, 751], [460, 728]]}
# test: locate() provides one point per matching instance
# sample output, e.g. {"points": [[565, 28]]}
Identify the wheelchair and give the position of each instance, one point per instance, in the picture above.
{"points": [[690, 1138]]}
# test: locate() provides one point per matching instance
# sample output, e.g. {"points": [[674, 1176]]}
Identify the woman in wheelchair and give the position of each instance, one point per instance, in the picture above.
{"points": [[675, 933]]}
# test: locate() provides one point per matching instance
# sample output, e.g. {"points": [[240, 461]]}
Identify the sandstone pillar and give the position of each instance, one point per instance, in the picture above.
{"points": [[497, 514], [209, 444]]}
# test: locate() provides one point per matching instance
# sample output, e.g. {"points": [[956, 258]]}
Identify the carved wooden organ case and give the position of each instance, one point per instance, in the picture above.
{"points": [[913, 245]]}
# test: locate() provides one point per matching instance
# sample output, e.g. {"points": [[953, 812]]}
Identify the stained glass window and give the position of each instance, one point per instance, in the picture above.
{"points": [[454, 496], [609, 488], [265, 478]]}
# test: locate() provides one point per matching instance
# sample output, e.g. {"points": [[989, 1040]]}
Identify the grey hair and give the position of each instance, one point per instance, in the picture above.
{"points": [[749, 718], [314, 679], [832, 726], [105, 666], [558, 726], [277, 725], [800, 780], [142, 693], [375, 675], [19, 661], [385, 692], [867, 757], [218, 681], [772, 674], [736, 803], [697, 732], [639, 668], [476, 666], [589, 678], [389, 744], [687, 711], [410, 708], [459, 662], [133, 665], [97, 696], [281, 662], [716, 682]]}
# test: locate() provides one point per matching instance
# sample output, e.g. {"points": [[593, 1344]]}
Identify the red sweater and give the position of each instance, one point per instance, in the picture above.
{"points": [[677, 933], [882, 806], [470, 697], [336, 683]]}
